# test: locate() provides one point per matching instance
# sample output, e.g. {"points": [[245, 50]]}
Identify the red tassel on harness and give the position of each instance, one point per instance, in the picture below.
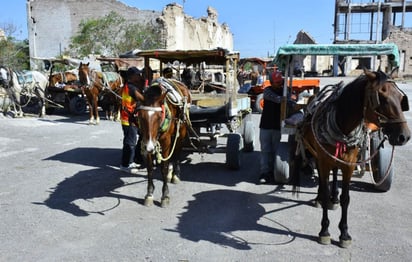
{"points": [[340, 149]]}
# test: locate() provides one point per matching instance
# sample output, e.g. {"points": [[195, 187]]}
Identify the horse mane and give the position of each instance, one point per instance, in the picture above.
{"points": [[152, 94]]}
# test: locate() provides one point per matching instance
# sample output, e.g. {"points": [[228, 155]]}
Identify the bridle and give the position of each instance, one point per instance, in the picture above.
{"points": [[372, 102], [157, 149]]}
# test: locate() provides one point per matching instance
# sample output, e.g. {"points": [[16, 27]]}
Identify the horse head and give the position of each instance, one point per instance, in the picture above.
{"points": [[5, 77], [84, 74], [385, 104], [151, 116]]}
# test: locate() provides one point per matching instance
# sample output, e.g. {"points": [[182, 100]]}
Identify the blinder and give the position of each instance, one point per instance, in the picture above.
{"points": [[372, 99], [404, 101]]}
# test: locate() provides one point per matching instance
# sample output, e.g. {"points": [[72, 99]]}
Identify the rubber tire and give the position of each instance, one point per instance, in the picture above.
{"points": [[281, 166], [248, 135], [77, 105], [259, 103], [380, 164], [234, 146]]}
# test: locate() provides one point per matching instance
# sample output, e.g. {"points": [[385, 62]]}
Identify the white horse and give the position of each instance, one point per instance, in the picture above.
{"points": [[28, 84]]}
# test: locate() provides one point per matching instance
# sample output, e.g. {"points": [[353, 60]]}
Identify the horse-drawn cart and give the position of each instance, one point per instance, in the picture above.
{"points": [[220, 106], [63, 90], [377, 158]]}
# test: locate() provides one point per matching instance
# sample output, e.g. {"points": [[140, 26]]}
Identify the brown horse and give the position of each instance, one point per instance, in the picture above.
{"points": [[332, 132], [59, 78], [163, 121], [101, 88]]}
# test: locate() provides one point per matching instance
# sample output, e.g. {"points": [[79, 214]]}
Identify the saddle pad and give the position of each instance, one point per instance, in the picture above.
{"points": [[172, 94]]}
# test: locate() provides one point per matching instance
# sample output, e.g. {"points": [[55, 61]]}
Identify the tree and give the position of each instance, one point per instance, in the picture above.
{"points": [[112, 35], [13, 53]]}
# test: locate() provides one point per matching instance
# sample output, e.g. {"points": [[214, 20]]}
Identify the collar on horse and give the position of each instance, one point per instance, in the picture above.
{"points": [[323, 112]]}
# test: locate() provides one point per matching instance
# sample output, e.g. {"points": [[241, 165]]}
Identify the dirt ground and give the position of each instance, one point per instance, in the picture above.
{"points": [[62, 198]]}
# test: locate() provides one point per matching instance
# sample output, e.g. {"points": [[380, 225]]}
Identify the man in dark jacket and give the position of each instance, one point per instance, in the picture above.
{"points": [[270, 134]]}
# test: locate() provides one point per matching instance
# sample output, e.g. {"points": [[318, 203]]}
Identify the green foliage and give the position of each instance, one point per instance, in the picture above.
{"points": [[14, 54], [110, 36]]}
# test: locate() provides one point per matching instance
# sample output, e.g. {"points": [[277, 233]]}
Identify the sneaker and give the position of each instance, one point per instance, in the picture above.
{"points": [[129, 169], [134, 165]]}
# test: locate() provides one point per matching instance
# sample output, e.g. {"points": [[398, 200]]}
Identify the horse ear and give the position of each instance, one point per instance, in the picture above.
{"points": [[394, 73], [371, 75]]}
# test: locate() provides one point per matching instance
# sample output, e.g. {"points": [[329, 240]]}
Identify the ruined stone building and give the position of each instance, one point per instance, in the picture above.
{"points": [[376, 21], [51, 24]]}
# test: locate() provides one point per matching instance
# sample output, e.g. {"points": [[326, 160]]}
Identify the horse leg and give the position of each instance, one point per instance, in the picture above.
{"points": [[324, 235], [176, 172], [96, 109], [148, 200], [334, 201], [90, 102], [345, 239], [165, 200], [41, 96]]}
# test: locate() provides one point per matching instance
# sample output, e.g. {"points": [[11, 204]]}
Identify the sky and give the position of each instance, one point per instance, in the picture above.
{"points": [[259, 27]]}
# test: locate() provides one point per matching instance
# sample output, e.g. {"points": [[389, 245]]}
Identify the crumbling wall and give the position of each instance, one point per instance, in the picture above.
{"points": [[51, 24], [402, 38], [185, 32]]}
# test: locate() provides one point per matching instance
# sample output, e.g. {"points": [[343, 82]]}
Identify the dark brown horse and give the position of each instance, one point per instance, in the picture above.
{"points": [[98, 87], [332, 132], [163, 121]]}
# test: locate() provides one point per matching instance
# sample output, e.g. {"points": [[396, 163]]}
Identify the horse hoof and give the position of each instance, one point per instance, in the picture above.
{"points": [[345, 243], [165, 202], [175, 179], [148, 201], [317, 204], [324, 240], [333, 206]]}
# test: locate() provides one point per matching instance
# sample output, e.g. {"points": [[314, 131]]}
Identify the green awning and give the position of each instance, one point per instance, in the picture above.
{"points": [[285, 52]]}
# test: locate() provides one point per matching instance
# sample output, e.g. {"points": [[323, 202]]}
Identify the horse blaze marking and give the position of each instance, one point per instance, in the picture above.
{"points": [[150, 144]]}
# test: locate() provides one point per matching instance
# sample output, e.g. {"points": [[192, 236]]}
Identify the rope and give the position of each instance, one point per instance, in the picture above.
{"points": [[158, 147]]}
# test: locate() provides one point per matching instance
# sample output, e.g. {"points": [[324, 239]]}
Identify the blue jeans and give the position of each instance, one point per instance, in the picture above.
{"points": [[269, 141], [129, 144]]}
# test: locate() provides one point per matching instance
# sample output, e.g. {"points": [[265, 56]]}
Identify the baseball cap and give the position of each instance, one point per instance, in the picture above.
{"points": [[133, 71]]}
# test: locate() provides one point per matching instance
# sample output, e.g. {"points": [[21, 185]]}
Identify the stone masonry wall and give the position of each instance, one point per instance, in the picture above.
{"points": [[51, 23], [403, 39]]}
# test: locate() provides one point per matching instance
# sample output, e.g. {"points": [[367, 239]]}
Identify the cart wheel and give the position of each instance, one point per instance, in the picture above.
{"points": [[77, 105], [282, 159], [234, 150], [380, 164], [259, 103], [248, 136]]}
